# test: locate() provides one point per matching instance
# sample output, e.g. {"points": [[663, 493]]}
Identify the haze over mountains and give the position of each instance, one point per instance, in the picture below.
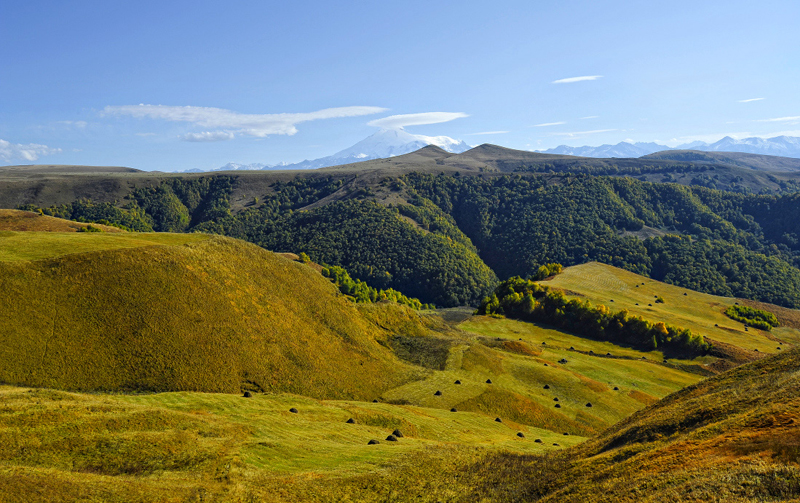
{"points": [[785, 146]]}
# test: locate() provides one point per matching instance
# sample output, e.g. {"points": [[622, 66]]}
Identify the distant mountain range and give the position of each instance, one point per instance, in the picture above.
{"points": [[784, 146], [388, 143], [385, 143]]}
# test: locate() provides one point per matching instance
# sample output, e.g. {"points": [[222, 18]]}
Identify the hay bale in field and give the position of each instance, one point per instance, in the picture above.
{"points": [[293, 410], [546, 386], [351, 421], [555, 399], [391, 438], [397, 433], [372, 442], [589, 404], [498, 420], [247, 394], [488, 381], [558, 406], [556, 444], [375, 401], [566, 434], [457, 382], [616, 388], [453, 410], [538, 440], [520, 434], [438, 393]]}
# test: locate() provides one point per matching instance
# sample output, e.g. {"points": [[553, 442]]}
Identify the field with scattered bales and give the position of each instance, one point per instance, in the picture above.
{"points": [[189, 367]]}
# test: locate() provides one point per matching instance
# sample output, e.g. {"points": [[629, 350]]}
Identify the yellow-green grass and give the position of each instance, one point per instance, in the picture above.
{"points": [[699, 312], [733, 437], [195, 313], [130, 447], [27, 246], [519, 370]]}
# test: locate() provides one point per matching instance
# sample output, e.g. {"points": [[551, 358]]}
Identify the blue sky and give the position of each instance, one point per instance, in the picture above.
{"points": [[258, 81]]}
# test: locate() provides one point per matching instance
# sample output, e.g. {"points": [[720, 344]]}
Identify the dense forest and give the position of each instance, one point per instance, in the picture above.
{"points": [[446, 239]]}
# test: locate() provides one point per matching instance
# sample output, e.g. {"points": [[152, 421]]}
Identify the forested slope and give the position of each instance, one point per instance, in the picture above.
{"points": [[448, 238]]}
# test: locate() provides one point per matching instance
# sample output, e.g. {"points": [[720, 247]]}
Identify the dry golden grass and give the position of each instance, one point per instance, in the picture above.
{"points": [[211, 315]]}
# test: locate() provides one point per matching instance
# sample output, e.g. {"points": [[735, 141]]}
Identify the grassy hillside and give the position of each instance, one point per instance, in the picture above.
{"points": [[701, 313], [730, 438], [180, 312]]}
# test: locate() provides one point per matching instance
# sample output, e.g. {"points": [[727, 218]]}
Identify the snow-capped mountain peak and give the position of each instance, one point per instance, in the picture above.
{"points": [[382, 144]]}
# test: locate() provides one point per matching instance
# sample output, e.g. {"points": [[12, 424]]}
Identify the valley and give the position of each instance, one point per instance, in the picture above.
{"points": [[194, 363]]}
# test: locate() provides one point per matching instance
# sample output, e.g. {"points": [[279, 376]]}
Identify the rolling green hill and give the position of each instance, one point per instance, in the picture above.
{"points": [[730, 438], [101, 311]]}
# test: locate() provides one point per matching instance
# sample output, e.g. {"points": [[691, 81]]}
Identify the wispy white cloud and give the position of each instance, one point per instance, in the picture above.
{"points": [[259, 125], [782, 119], [590, 117], [26, 152], [582, 133], [570, 80], [486, 132], [208, 136], [401, 121], [546, 124], [750, 100]]}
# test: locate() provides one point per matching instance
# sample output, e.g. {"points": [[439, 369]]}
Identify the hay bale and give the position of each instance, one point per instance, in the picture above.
{"points": [[589, 404], [488, 381], [438, 393], [351, 421], [546, 386], [555, 399], [453, 410], [608, 354], [520, 338], [651, 305], [716, 325], [572, 348], [556, 444], [247, 394], [544, 344], [616, 388], [546, 365], [558, 406], [538, 440], [566, 434], [372, 442], [457, 382], [779, 348], [293, 410], [375, 401], [498, 420], [391, 438], [397, 433], [520, 434], [684, 293]]}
